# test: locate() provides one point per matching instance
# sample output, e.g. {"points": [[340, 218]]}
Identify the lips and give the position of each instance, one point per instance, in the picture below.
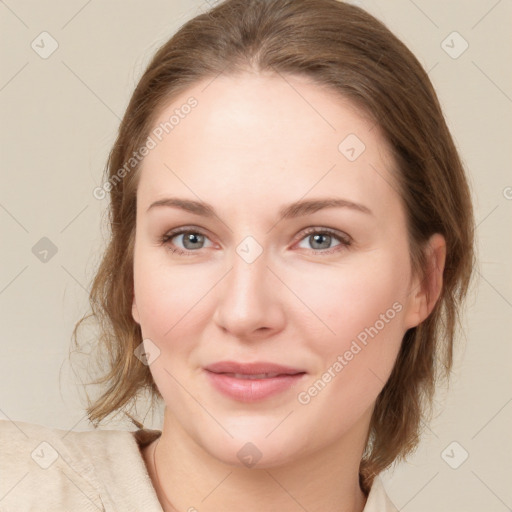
{"points": [[251, 382], [258, 370]]}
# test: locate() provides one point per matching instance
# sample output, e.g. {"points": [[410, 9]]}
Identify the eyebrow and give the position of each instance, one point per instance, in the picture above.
{"points": [[290, 211]]}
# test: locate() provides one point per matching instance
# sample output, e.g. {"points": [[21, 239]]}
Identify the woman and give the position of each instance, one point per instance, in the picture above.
{"points": [[292, 239]]}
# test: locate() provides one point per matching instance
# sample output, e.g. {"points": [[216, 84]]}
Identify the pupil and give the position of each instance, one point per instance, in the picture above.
{"points": [[316, 237], [191, 237]]}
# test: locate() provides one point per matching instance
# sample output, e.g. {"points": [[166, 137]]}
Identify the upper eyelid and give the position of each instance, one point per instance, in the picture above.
{"points": [[343, 237]]}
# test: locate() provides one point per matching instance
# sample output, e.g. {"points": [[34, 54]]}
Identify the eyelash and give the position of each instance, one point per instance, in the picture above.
{"points": [[345, 240]]}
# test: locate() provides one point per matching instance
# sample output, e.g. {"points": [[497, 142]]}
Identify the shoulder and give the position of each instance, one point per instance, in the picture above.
{"points": [[41, 471], [378, 500], [46, 468]]}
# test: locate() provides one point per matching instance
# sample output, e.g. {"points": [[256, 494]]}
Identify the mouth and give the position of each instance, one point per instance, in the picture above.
{"points": [[249, 382], [252, 370], [258, 376]]}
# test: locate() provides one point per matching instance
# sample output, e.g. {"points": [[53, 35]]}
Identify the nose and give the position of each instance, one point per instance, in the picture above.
{"points": [[249, 300]]}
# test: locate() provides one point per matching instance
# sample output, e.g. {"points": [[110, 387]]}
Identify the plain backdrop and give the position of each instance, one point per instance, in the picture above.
{"points": [[61, 101]]}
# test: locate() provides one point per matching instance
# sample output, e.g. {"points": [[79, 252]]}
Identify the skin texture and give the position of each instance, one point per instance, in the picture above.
{"points": [[253, 144]]}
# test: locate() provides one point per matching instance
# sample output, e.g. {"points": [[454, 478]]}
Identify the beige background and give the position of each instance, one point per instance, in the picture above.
{"points": [[59, 118]]}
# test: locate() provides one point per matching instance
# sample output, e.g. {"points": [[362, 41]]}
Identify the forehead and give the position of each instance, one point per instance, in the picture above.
{"points": [[269, 137]]}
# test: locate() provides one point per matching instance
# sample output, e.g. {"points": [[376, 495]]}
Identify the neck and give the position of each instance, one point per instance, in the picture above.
{"points": [[189, 478]]}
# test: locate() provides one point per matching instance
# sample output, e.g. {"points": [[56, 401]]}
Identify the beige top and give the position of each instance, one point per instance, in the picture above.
{"points": [[47, 469]]}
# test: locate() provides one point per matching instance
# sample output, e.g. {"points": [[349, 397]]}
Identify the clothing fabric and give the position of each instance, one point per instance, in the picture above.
{"points": [[47, 469]]}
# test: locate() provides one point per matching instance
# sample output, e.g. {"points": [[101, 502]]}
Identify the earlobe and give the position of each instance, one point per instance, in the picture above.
{"points": [[425, 293]]}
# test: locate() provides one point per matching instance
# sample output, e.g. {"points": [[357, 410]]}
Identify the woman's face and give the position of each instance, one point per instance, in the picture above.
{"points": [[325, 291]]}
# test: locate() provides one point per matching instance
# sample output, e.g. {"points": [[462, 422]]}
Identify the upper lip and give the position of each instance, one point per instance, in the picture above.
{"points": [[251, 368]]}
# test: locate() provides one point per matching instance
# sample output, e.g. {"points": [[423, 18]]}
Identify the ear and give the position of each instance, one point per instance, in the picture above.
{"points": [[135, 311], [425, 292]]}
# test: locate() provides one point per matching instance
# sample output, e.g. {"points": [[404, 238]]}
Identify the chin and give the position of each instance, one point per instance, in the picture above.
{"points": [[254, 447]]}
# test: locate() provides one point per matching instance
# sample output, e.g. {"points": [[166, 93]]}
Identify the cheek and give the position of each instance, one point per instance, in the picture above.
{"points": [[363, 305], [353, 364], [169, 306], [165, 296], [355, 297]]}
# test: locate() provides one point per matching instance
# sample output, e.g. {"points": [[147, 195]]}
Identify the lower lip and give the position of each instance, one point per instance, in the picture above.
{"points": [[251, 390]]}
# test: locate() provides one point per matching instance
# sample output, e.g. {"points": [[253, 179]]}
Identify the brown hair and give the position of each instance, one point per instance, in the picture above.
{"points": [[344, 48]]}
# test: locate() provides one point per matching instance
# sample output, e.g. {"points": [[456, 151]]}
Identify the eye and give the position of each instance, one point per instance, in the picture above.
{"points": [[321, 239], [192, 239]]}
